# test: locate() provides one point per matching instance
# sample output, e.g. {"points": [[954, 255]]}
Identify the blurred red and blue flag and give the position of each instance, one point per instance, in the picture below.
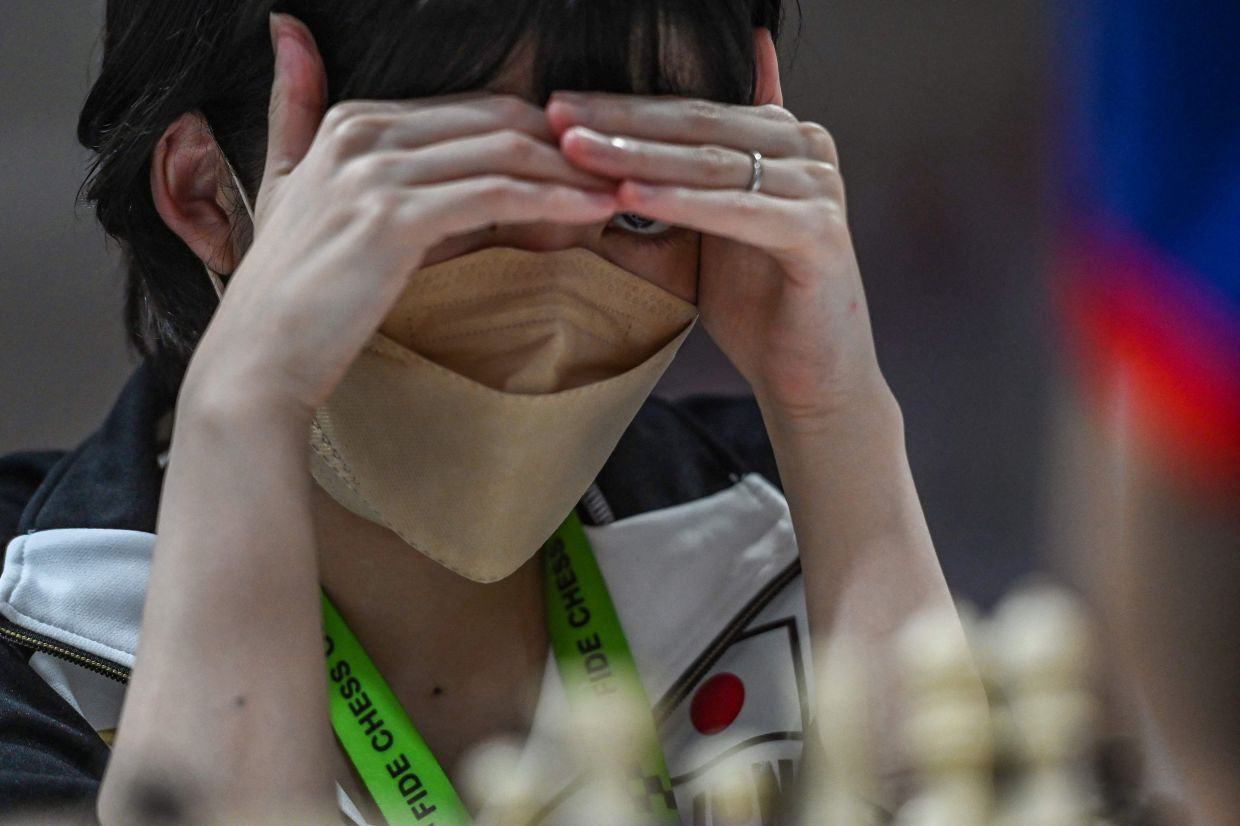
{"points": [[1149, 241]]}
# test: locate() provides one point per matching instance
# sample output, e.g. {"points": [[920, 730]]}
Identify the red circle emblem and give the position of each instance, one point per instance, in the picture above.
{"points": [[717, 703]]}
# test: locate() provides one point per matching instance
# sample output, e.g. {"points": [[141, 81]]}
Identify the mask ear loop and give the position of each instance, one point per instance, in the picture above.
{"points": [[216, 281]]}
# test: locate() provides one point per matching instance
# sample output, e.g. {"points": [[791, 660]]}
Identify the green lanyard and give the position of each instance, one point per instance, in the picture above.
{"points": [[593, 656]]}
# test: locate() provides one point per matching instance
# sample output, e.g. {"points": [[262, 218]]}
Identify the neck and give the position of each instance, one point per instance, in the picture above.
{"points": [[448, 646]]}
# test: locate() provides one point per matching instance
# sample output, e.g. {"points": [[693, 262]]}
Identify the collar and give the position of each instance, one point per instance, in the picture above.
{"points": [[112, 480], [693, 534]]}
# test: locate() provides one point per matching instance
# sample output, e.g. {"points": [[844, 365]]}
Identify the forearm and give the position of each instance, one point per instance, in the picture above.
{"points": [[226, 711], [868, 559]]}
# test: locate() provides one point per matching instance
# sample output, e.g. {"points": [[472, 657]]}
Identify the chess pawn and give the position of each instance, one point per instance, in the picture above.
{"points": [[836, 787], [605, 738], [947, 725], [1040, 642], [497, 783], [730, 800]]}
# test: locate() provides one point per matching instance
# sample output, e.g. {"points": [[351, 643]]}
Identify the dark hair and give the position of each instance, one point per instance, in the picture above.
{"points": [[162, 59]]}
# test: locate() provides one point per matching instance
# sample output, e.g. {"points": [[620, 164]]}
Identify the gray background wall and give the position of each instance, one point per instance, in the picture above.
{"points": [[936, 107]]}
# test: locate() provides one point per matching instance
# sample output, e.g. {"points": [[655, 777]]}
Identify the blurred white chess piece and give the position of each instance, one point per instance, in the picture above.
{"points": [[498, 785], [605, 739], [1039, 641], [947, 725], [730, 800], [837, 791]]}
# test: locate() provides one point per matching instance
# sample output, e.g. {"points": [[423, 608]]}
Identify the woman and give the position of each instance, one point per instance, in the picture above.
{"points": [[413, 144]]}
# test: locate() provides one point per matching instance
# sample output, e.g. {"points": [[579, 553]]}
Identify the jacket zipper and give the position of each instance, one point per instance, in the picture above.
{"points": [[38, 642], [599, 510], [596, 506], [662, 710], [594, 501]]}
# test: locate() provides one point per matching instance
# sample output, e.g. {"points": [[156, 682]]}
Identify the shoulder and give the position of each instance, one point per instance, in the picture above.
{"points": [[50, 758], [21, 474], [678, 451]]}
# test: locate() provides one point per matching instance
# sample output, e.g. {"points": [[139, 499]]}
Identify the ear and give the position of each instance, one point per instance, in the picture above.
{"points": [[190, 193], [766, 60]]}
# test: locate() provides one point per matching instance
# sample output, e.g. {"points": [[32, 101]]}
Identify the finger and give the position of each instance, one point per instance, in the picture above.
{"points": [[704, 167], [469, 205], [777, 225], [298, 96], [445, 119], [371, 125], [508, 152], [771, 130]]}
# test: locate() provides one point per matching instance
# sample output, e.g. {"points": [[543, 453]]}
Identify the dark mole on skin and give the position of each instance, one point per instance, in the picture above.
{"points": [[436, 692]]}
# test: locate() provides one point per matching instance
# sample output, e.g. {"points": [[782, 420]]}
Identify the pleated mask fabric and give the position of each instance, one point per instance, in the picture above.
{"points": [[490, 398]]}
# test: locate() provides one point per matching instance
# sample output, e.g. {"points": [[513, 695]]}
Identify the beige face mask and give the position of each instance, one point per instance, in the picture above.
{"points": [[491, 396]]}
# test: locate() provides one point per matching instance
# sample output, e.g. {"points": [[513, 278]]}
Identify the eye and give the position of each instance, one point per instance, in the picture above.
{"points": [[638, 225]]}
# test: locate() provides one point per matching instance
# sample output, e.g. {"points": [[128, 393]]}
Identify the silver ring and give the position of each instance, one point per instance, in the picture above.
{"points": [[755, 180]]}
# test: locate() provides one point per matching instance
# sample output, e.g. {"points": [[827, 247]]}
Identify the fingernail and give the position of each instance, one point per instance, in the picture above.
{"points": [[599, 139], [641, 191], [601, 199], [574, 106], [588, 134]]}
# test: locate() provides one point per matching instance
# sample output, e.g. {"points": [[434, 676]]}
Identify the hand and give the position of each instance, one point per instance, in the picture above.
{"points": [[350, 203], [779, 287]]}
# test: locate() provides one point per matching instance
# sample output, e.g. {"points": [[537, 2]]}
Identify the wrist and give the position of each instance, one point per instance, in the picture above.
{"points": [[237, 396], [866, 404], [218, 421], [248, 434]]}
